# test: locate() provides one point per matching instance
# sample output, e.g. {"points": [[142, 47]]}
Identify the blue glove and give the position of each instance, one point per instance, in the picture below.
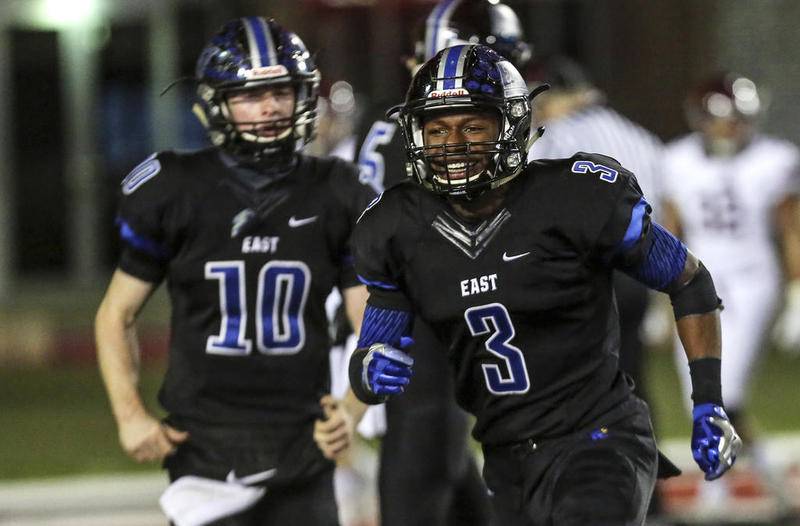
{"points": [[386, 370], [715, 443]]}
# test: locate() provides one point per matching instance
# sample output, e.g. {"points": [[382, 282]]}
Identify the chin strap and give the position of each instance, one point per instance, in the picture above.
{"points": [[535, 136]]}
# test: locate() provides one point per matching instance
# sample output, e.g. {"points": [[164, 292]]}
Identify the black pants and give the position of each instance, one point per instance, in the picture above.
{"points": [[578, 479], [428, 475], [300, 492]]}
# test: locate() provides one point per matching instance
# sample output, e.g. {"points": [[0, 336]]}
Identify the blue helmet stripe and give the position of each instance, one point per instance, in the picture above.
{"points": [[453, 67], [262, 49], [437, 20]]}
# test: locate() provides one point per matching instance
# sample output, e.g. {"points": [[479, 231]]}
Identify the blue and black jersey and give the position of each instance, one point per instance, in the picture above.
{"points": [[247, 271], [523, 299]]}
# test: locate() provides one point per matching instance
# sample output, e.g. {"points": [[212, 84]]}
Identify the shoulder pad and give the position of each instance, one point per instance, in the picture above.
{"points": [[607, 169], [385, 208]]}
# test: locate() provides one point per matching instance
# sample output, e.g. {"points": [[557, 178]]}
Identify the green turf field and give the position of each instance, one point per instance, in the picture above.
{"points": [[775, 395], [57, 421]]}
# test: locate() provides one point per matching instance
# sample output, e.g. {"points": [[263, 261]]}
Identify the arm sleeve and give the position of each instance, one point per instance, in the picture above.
{"points": [[629, 240], [789, 183], [616, 213], [377, 263], [354, 198]]}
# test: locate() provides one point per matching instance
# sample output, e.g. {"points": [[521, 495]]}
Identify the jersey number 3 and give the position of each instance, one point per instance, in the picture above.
{"points": [[511, 375], [280, 303]]}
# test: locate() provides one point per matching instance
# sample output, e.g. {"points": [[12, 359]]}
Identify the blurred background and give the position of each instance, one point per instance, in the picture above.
{"points": [[81, 104]]}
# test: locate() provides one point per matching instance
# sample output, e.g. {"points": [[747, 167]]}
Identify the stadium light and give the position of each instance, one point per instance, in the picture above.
{"points": [[62, 14]]}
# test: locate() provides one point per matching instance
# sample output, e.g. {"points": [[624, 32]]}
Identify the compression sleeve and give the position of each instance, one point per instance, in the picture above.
{"points": [[663, 259], [384, 326]]}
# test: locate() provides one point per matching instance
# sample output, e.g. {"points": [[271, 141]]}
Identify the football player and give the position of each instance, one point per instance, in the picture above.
{"points": [[250, 236], [427, 473], [731, 191], [510, 263]]}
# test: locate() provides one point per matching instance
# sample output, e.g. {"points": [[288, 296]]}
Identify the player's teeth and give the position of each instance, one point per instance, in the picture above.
{"points": [[456, 166]]}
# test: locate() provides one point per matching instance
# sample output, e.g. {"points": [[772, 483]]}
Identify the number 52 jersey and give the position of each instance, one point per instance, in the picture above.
{"points": [[247, 272], [522, 300], [726, 205]]}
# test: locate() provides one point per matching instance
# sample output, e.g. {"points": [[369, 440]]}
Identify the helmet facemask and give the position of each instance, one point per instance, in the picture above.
{"points": [[271, 136], [486, 84], [466, 168]]}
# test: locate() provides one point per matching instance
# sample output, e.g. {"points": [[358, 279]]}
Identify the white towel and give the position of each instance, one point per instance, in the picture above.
{"points": [[196, 501]]}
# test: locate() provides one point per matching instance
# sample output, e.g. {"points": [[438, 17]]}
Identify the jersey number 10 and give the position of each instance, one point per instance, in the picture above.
{"points": [[280, 304]]}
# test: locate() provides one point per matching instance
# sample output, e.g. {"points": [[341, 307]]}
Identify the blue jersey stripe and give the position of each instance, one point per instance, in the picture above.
{"points": [[634, 231], [379, 284], [140, 242]]}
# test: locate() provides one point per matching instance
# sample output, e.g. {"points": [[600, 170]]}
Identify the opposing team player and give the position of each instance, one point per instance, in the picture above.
{"points": [[510, 263], [730, 191], [427, 472], [250, 236]]}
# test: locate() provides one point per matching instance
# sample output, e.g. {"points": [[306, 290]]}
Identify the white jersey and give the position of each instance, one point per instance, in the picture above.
{"points": [[726, 205]]}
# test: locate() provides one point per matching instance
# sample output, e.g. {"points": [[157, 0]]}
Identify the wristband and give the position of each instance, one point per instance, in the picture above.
{"points": [[355, 371], [706, 384]]}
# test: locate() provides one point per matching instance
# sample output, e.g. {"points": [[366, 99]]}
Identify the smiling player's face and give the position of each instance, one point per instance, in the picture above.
{"points": [[446, 137]]}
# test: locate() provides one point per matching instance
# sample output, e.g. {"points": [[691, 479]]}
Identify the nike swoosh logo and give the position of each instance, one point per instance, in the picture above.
{"points": [[506, 257], [294, 222], [248, 480]]}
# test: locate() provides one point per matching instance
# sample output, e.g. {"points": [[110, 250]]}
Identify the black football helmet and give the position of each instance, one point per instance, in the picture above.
{"points": [[249, 53], [487, 22], [725, 108], [467, 78]]}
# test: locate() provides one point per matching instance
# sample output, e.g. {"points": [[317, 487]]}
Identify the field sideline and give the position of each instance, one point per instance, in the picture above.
{"points": [[131, 499]]}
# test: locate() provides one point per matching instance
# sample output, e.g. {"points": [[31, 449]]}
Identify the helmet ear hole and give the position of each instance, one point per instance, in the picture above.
{"points": [[256, 53]]}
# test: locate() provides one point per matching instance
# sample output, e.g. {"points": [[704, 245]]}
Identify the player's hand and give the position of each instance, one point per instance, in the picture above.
{"points": [[145, 439], [786, 332], [715, 443], [334, 433], [386, 371]]}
